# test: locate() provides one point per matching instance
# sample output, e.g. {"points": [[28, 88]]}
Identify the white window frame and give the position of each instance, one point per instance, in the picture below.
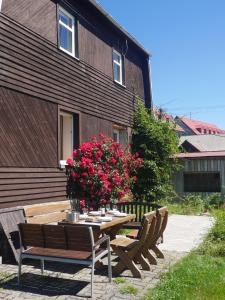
{"points": [[62, 162], [117, 132], [120, 65], [72, 30]]}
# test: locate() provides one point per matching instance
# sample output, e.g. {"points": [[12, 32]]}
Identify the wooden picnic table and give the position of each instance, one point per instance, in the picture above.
{"points": [[111, 228]]}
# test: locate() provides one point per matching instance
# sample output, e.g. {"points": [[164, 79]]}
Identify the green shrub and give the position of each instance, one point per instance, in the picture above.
{"points": [[157, 143]]}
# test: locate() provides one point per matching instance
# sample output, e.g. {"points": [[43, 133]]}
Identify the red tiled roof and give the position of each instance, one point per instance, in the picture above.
{"points": [[201, 154], [195, 125]]}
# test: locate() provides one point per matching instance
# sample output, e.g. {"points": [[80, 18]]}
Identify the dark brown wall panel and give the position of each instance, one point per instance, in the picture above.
{"points": [[38, 16], [28, 131], [30, 65], [23, 186], [93, 126], [96, 36]]}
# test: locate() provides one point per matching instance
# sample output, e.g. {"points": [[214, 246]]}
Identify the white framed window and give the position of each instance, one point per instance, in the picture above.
{"points": [[116, 135], [66, 135], [117, 67], [66, 32]]}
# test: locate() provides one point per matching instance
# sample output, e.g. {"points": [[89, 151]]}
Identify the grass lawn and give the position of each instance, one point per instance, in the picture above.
{"points": [[196, 277], [200, 275]]}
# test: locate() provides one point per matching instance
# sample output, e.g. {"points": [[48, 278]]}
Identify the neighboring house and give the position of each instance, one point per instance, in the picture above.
{"points": [[193, 127], [202, 143], [202, 172], [161, 115], [68, 71]]}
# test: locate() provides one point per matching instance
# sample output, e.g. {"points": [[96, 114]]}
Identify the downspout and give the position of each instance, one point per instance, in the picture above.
{"points": [[0, 5]]}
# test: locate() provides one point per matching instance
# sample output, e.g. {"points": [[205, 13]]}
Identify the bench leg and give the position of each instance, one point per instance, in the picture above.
{"points": [[42, 266], [92, 278], [19, 270], [109, 266]]}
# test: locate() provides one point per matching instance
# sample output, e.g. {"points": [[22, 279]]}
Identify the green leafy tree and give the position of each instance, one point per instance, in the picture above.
{"points": [[157, 143]]}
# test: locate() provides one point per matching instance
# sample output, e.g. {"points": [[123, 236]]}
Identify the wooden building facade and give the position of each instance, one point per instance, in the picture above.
{"points": [[67, 72], [201, 173]]}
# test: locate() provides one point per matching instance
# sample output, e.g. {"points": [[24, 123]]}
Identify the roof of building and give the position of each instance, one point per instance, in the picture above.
{"points": [[118, 26], [195, 125], [205, 142], [201, 154]]}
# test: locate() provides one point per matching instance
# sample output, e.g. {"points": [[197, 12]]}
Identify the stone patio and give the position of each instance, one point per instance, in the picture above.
{"points": [[63, 281]]}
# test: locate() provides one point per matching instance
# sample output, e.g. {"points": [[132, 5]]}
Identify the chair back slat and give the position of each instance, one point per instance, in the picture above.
{"points": [[31, 235], [54, 236], [78, 238], [164, 219], [144, 232]]}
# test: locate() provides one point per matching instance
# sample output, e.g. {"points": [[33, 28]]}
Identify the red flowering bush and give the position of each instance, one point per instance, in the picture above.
{"points": [[101, 172]]}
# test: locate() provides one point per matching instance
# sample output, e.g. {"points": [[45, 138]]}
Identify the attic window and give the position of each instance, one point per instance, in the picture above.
{"points": [[66, 32]]}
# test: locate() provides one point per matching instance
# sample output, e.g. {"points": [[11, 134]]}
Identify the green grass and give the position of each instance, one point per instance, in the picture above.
{"points": [[182, 209], [195, 277], [200, 275], [119, 280], [128, 290]]}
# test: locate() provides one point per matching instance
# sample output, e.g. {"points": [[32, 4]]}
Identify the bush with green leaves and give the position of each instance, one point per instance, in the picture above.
{"points": [[157, 143]]}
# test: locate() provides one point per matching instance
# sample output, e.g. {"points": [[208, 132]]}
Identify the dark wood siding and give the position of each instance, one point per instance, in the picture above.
{"points": [[92, 126], [30, 65], [28, 131], [97, 37], [20, 186], [38, 16]]}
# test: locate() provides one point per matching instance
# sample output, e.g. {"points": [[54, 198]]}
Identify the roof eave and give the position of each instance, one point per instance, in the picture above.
{"points": [[119, 27]]}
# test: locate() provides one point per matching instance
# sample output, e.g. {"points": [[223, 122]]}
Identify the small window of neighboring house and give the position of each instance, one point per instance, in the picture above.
{"points": [[117, 67], [66, 32], [202, 182]]}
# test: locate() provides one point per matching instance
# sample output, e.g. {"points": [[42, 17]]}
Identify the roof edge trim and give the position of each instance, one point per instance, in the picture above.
{"points": [[118, 26]]}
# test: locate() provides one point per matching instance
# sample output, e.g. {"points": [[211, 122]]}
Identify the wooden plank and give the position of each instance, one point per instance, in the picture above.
{"points": [[40, 209], [28, 170], [31, 197], [32, 191], [48, 218], [32, 180], [11, 187], [31, 175]]}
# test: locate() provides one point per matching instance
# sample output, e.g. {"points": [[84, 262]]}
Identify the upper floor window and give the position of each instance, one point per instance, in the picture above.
{"points": [[117, 67], [66, 29]]}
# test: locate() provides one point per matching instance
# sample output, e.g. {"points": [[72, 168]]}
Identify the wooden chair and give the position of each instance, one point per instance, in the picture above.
{"points": [[68, 244], [130, 251], [153, 237], [161, 223]]}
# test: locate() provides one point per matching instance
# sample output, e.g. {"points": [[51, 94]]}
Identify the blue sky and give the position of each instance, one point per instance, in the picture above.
{"points": [[187, 41]]}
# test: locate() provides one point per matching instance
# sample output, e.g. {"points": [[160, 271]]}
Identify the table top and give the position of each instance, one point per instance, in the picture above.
{"points": [[103, 225]]}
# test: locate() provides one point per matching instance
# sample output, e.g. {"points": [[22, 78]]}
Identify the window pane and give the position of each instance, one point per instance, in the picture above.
{"points": [[66, 136], [117, 73], [65, 19], [202, 182], [116, 57], [65, 38]]}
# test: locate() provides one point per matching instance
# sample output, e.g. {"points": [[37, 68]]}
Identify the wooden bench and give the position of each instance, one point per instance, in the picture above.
{"points": [[46, 213], [59, 243]]}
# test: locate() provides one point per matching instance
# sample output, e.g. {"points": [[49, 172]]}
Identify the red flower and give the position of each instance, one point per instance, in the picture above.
{"points": [[69, 162], [82, 203]]}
